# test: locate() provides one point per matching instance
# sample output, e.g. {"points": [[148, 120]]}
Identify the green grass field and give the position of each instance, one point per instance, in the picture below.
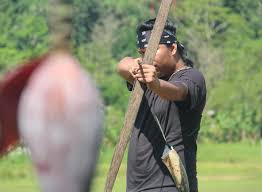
{"points": [[221, 168]]}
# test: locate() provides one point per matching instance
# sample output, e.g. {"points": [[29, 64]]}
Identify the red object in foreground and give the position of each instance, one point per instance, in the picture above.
{"points": [[11, 87]]}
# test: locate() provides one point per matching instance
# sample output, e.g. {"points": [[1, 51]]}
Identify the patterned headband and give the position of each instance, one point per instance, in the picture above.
{"points": [[166, 38], [143, 38]]}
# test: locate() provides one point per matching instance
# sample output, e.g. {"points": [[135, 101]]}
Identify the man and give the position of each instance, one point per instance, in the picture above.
{"points": [[176, 93]]}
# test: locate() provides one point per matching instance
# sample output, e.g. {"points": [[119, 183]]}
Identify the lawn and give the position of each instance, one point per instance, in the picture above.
{"points": [[221, 168]]}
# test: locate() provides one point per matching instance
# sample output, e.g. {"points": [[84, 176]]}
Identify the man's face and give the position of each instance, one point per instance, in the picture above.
{"points": [[164, 60]]}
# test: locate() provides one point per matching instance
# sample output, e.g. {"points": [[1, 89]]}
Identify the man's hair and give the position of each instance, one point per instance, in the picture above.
{"points": [[149, 24], [169, 28]]}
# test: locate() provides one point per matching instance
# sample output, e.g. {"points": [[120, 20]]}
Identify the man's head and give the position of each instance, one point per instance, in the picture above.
{"points": [[169, 51], [144, 32]]}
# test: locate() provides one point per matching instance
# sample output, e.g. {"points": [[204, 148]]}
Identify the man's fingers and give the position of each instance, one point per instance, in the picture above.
{"points": [[147, 66], [146, 70], [138, 60], [147, 78], [143, 72], [142, 80], [146, 73], [133, 71]]}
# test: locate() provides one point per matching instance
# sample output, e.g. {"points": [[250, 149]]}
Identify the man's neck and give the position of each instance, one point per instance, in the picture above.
{"points": [[180, 64]]}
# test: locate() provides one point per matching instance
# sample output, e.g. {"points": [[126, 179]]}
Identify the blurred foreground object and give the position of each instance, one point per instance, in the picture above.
{"points": [[60, 119], [56, 108], [11, 87]]}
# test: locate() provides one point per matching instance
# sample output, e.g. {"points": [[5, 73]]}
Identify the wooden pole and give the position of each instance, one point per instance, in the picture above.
{"points": [[136, 96]]}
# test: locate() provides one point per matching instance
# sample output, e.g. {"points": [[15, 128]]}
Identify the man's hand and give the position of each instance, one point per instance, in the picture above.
{"points": [[127, 68], [146, 74], [134, 66]]}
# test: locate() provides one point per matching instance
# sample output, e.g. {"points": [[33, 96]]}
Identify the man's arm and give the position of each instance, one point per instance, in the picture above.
{"points": [[125, 68], [129, 70], [165, 89], [169, 91]]}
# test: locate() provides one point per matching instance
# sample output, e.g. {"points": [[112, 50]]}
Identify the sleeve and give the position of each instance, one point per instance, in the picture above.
{"points": [[191, 82], [129, 86]]}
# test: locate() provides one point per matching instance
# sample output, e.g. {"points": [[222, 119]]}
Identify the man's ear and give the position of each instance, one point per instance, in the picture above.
{"points": [[174, 48]]}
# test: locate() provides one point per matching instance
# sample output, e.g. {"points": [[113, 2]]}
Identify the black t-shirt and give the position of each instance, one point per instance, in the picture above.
{"points": [[180, 123], [190, 113]]}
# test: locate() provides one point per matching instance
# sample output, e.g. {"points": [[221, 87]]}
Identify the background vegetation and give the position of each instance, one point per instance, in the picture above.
{"points": [[223, 37]]}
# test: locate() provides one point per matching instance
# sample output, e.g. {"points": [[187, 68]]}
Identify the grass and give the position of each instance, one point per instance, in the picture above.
{"points": [[221, 168]]}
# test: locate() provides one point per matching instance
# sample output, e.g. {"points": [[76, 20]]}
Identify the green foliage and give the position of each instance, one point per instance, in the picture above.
{"points": [[237, 97], [128, 14], [114, 122], [23, 33], [250, 11], [223, 37], [232, 125], [87, 12]]}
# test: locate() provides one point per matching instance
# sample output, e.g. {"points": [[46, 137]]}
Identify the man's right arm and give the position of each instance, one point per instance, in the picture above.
{"points": [[125, 68]]}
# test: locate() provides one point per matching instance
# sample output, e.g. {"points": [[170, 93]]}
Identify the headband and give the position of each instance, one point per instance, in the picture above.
{"points": [[143, 38], [166, 38]]}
